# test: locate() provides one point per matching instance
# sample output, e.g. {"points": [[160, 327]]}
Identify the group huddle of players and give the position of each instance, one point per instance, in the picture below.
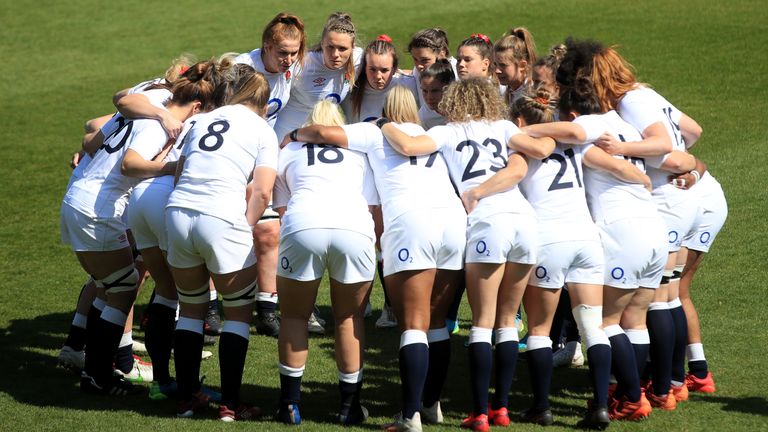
{"points": [[558, 184]]}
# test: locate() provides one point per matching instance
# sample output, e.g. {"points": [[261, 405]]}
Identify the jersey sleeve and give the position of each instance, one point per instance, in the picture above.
{"points": [[441, 135], [509, 130], [369, 187], [592, 126], [268, 150], [640, 111], [362, 136], [149, 141]]}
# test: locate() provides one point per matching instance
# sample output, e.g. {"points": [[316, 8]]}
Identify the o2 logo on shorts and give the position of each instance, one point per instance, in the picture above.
{"points": [[618, 274], [273, 106], [404, 255], [705, 237], [336, 98], [482, 248], [673, 237], [541, 273], [286, 265]]}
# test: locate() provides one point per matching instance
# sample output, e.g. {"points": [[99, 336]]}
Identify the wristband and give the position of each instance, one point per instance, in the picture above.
{"points": [[696, 175], [382, 121], [294, 135]]}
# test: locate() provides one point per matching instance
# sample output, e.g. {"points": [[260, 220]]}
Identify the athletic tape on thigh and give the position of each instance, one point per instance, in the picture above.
{"points": [[667, 276], [194, 297], [675, 276], [122, 280], [243, 297]]}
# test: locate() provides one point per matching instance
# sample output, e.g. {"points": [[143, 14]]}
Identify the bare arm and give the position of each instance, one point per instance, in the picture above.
{"points": [[655, 142], [333, 135], [137, 105], [93, 144], [263, 182], [133, 165], [679, 162], [620, 168], [564, 132], [537, 148], [502, 181], [406, 144], [687, 179], [690, 130]]}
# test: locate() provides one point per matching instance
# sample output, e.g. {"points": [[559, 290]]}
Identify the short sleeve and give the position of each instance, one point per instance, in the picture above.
{"points": [[149, 141], [638, 109], [268, 150], [509, 130], [592, 125], [158, 97], [280, 193], [362, 136], [441, 135], [369, 187]]}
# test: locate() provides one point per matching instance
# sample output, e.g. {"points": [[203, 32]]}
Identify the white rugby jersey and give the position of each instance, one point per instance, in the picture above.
{"points": [[314, 83], [417, 76], [555, 188], [641, 108], [404, 183], [221, 150], [103, 191], [430, 118], [279, 82], [608, 197], [474, 151], [324, 186], [373, 100]]}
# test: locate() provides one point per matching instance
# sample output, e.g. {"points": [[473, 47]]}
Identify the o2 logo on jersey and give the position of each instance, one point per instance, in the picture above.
{"points": [[705, 237], [618, 274], [482, 248], [319, 81], [286, 265], [404, 255], [541, 273], [336, 97], [273, 106], [673, 237]]}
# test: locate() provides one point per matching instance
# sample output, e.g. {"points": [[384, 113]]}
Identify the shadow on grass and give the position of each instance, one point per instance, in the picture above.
{"points": [[746, 405]]}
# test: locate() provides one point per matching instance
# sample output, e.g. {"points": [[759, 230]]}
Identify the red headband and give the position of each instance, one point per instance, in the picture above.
{"points": [[183, 69], [485, 38]]}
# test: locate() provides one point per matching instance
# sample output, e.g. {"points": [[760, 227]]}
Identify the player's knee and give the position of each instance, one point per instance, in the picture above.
{"points": [[589, 320], [123, 280], [243, 297], [195, 297]]}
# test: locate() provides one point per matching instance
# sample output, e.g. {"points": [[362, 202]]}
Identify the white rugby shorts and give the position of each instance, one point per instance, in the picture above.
{"points": [[425, 239], [147, 217], [501, 238], [87, 234], [195, 238], [635, 252], [569, 261], [679, 220], [349, 256], [711, 215]]}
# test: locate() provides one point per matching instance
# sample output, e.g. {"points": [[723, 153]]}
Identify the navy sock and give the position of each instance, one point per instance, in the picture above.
{"points": [[350, 396], [641, 357], [76, 338], [290, 390], [624, 367], [681, 342], [480, 364], [92, 344], [159, 340], [506, 363], [661, 330], [599, 357], [108, 336], [124, 358], [698, 368], [439, 359], [414, 363], [232, 351], [187, 347], [265, 306], [540, 371]]}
